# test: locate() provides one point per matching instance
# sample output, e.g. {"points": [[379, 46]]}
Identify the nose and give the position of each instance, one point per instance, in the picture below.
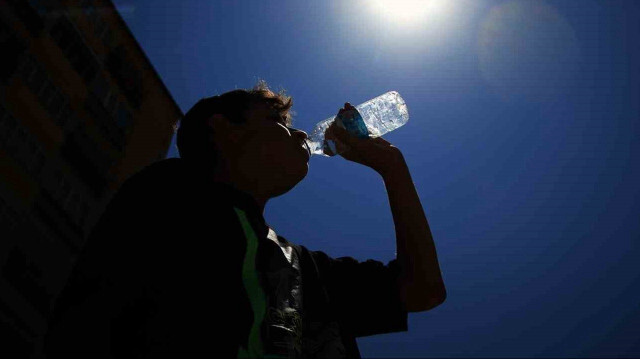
{"points": [[302, 137]]}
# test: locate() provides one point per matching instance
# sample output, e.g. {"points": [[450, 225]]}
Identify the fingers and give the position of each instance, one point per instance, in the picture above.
{"points": [[329, 133], [381, 140], [340, 133], [344, 137], [340, 144], [347, 106]]}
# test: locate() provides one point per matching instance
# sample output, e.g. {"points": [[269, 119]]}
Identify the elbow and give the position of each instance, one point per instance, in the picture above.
{"points": [[437, 300], [426, 300]]}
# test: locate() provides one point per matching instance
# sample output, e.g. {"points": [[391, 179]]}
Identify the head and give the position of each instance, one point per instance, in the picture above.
{"points": [[245, 138]]}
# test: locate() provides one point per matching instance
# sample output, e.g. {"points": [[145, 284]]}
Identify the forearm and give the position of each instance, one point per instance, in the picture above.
{"points": [[421, 280]]}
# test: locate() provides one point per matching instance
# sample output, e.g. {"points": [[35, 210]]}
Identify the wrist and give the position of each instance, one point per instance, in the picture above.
{"points": [[394, 168]]}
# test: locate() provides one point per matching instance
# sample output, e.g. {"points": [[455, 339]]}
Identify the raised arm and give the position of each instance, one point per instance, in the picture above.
{"points": [[421, 280], [422, 287]]}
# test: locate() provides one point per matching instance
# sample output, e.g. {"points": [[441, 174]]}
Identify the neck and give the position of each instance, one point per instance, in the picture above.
{"points": [[241, 184]]}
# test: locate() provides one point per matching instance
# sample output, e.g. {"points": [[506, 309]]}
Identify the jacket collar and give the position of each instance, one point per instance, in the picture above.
{"points": [[224, 191], [238, 198]]}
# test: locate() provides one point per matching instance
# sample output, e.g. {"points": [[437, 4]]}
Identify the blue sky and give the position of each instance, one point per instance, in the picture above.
{"points": [[521, 142]]}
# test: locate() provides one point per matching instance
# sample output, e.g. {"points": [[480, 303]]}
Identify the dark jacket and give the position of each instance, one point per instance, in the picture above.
{"points": [[182, 266]]}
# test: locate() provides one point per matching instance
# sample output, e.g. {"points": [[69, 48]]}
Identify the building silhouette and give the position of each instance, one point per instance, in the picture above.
{"points": [[81, 109]]}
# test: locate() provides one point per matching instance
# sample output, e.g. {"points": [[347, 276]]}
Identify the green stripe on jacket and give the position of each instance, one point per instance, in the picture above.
{"points": [[256, 295]]}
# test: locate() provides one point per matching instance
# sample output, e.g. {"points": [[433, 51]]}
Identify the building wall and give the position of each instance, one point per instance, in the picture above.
{"points": [[81, 110]]}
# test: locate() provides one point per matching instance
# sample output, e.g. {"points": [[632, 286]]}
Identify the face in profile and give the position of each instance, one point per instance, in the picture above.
{"points": [[272, 153]]}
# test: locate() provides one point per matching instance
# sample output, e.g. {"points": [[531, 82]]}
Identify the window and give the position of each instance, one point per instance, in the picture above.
{"points": [[38, 163], [46, 93], [67, 117], [127, 76], [12, 50], [100, 27], [110, 103], [39, 7], [104, 120], [55, 104], [26, 68], [28, 15], [26, 277], [17, 141], [73, 205], [87, 7], [49, 96], [64, 191], [8, 125], [9, 218], [83, 213], [88, 162], [79, 55], [26, 151], [105, 94], [124, 116], [67, 195], [36, 78]]}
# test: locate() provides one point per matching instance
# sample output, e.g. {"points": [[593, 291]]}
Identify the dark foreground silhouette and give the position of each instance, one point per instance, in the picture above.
{"points": [[179, 265]]}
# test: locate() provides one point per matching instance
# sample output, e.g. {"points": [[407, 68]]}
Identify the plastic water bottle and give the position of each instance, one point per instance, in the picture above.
{"points": [[371, 119]]}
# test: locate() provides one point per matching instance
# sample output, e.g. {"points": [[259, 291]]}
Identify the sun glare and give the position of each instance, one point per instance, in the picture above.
{"points": [[409, 12]]}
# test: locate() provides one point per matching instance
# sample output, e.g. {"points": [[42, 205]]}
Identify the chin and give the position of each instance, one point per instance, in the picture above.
{"points": [[289, 181]]}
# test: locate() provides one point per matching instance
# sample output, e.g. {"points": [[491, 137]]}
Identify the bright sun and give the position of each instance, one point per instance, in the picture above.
{"points": [[409, 12]]}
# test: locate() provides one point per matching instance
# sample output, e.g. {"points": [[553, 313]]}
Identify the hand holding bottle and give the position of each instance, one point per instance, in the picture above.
{"points": [[375, 153], [368, 120]]}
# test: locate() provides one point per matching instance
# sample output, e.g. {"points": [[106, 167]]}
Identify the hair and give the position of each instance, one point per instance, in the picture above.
{"points": [[194, 140]]}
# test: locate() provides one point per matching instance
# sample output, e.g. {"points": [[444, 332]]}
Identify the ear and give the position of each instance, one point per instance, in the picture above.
{"points": [[224, 129], [218, 122]]}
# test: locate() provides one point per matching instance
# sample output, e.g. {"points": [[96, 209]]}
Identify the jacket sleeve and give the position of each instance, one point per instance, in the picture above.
{"points": [[364, 295]]}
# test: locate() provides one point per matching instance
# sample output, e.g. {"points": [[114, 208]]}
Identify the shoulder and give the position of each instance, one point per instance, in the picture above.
{"points": [[165, 179], [162, 172], [165, 166], [148, 195]]}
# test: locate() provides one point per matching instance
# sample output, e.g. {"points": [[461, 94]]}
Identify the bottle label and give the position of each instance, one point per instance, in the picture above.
{"points": [[352, 121]]}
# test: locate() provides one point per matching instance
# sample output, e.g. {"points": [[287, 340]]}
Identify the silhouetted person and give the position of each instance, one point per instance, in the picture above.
{"points": [[182, 263]]}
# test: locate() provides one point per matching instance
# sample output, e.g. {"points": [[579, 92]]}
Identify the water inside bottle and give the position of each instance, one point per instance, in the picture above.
{"points": [[372, 119]]}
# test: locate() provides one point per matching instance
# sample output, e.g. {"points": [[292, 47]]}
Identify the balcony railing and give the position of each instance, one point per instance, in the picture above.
{"points": [[69, 39], [26, 277], [54, 101], [105, 121], [128, 77], [87, 161], [28, 15], [12, 50]]}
